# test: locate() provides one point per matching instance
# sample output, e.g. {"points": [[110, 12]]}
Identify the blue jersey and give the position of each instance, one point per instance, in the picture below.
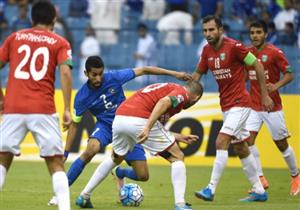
{"points": [[103, 101]]}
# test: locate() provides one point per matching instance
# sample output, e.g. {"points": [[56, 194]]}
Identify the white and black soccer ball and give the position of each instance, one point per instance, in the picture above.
{"points": [[131, 195]]}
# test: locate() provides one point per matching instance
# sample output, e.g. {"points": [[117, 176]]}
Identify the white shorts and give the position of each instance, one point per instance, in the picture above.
{"points": [[274, 121], [235, 122], [125, 132], [44, 128]]}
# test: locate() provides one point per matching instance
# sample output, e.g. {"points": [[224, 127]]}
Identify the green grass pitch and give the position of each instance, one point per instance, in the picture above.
{"points": [[28, 187]]}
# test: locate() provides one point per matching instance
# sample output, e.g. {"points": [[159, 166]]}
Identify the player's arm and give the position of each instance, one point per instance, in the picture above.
{"points": [[160, 108], [251, 60], [66, 86], [160, 71], [197, 75], [187, 139], [70, 138], [287, 78]]}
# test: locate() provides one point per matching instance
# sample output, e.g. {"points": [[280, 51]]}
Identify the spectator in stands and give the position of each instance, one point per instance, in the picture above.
{"points": [[170, 25], [297, 20], [62, 28], [89, 47], [153, 10], [211, 7], [78, 8], [22, 21], [273, 8], [3, 21], [106, 19], [145, 53], [288, 36], [288, 14], [272, 34], [243, 8], [135, 6], [174, 5]]}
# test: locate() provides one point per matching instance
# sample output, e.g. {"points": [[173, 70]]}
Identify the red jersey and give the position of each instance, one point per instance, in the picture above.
{"points": [[227, 66], [142, 103], [33, 55], [274, 62]]}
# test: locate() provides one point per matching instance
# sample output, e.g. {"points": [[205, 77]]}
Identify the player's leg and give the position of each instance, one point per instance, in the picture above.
{"points": [[276, 124], [15, 131], [253, 125], [139, 170], [59, 181], [6, 159], [249, 166], [120, 144], [222, 145], [100, 137], [178, 174], [46, 132]]}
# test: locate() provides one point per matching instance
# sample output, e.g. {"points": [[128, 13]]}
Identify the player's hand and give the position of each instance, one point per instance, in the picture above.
{"points": [[184, 76], [267, 103], [67, 120], [143, 136], [271, 87], [187, 139]]}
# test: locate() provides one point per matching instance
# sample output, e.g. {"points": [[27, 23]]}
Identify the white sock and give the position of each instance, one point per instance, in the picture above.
{"points": [[2, 176], [290, 159], [178, 175], [249, 168], [61, 190], [219, 165], [253, 149], [99, 175]]}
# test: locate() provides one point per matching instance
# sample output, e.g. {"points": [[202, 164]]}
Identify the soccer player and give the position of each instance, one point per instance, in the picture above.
{"points": [[101, 95], [275, 63], [226, 57], [137, 121], [29, 106]]}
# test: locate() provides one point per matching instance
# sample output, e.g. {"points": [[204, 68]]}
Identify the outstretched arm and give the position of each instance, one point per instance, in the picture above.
{"points": [[187, 139], [160, 108], [160, 71]]}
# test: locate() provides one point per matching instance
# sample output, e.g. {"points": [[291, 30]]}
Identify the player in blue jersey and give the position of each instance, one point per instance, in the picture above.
{"points": [[101, 95]]}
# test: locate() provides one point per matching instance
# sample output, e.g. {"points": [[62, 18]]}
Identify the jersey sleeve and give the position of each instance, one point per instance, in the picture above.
{"points": [[178, 97], [123, 76], [243, 54], [64, 55], [282, 62], [79, 109], [4, 50], [202, 64]]}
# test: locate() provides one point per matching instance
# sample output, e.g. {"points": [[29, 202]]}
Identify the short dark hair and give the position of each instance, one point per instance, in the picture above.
{"points": [[194, 87], [93, 62], [217, 20], [142, 26], [43, 12], [260, 24]]}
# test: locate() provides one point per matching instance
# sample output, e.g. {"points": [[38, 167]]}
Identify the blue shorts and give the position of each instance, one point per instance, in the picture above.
{"points": [[138, 153], [103, 133]]}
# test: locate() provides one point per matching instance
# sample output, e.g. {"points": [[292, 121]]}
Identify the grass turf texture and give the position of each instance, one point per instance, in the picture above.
{"points": [[28, 187]]}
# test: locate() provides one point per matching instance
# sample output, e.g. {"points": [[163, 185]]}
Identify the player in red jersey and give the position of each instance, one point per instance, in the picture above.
{"points": [[226, 58], [139, 119], [33, 55], [275, 63]]}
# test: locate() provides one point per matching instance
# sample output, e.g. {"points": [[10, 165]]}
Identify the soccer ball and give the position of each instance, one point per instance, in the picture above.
{"points": [[131, 195]]}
